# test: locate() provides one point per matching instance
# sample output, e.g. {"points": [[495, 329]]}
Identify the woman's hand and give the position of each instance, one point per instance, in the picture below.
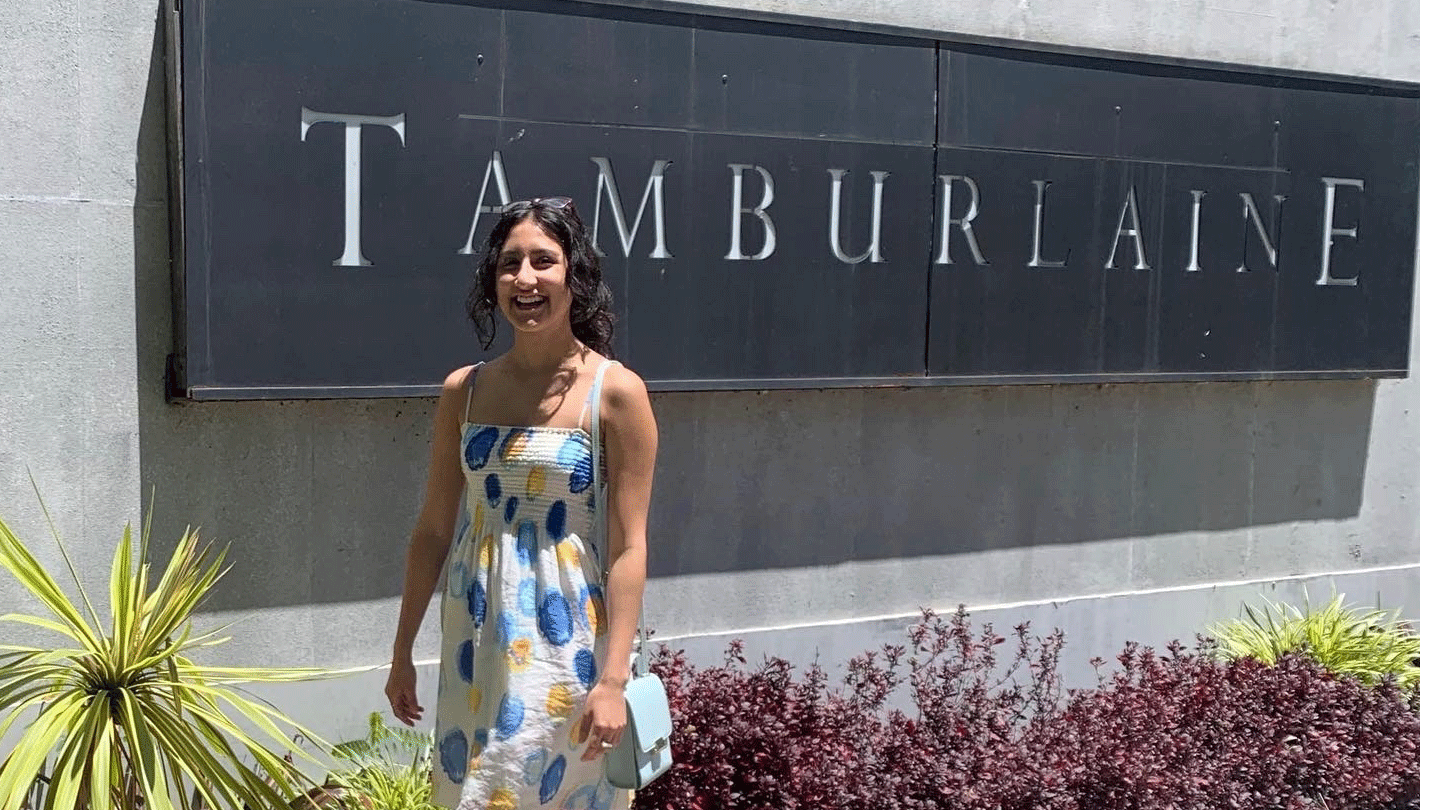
{"points": [[400, 690], [604, 718]]}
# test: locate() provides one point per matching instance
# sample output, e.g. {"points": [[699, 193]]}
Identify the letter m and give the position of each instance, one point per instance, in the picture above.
{"points": [[654, 187]]}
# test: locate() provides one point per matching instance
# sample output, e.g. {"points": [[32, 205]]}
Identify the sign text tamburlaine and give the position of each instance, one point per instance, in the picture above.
{"points": [[777, 206]]}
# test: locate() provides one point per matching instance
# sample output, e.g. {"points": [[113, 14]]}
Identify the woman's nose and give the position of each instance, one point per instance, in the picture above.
{"points": [[525, 275]]}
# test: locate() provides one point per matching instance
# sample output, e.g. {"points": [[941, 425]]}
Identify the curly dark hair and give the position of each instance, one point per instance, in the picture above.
{"points": [[591, 317]]}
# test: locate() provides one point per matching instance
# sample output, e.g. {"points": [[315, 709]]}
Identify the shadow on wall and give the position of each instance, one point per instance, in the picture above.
{"points": [[317, 498]]}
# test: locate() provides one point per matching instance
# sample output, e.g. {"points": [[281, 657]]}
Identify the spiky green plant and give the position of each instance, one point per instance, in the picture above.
{"points": [[1367, 644], [122, 713], [388, 769]]}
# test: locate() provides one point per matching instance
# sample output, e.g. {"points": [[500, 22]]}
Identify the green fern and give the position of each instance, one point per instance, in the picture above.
{"points": [[1365, 644]]}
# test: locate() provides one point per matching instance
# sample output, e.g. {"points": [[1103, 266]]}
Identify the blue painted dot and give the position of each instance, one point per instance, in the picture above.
{"points": [[582, 616], [575, 457], [509, 718], [465, 660], [477, 601], [506, 629], [510, 507], [492, 490], [556, 623], [555, 521], [550, 783], [464, 526], [585, 667], [459, 575], [477, 450], [583, 798], [527, 543], [535, 765], [526, 597], [604, 796], [454, 753], [482, 737]]}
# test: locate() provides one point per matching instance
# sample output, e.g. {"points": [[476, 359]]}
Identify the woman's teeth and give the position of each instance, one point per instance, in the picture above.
{"points": [[529, 301]]}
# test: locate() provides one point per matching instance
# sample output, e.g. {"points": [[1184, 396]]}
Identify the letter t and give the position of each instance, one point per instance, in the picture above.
{"points": [[351, 256]]}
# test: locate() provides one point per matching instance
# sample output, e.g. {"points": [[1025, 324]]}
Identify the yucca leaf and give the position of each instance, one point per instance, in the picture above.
{"points": [[100, 757], [35, 745], [65, 555], [17, 559], [121, 580], [144, 753], [73, 765]]}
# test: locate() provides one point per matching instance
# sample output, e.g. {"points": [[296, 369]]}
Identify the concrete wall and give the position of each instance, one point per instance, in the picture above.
{"points": [[806, 521]]}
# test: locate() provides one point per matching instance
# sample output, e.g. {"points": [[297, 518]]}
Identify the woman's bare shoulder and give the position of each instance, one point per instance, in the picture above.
{"points": [[624, 389]]}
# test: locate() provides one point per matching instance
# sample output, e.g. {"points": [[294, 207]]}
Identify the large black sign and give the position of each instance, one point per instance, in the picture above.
{"points": [[778, 206]]}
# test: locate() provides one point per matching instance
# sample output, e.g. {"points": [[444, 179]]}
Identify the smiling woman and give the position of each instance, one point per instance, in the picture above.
{"points": [[537, 619], [548, 232]]}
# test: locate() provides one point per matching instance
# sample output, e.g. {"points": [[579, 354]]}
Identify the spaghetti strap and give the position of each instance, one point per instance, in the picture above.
{"points": [[592, 399], [474, 372]]}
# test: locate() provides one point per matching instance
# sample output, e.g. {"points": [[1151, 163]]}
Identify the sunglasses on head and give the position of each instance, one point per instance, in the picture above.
{"points": [[557, 203]]}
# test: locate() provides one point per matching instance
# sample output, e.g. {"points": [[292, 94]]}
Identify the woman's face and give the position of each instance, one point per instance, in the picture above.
{"points": [[530, 280]]}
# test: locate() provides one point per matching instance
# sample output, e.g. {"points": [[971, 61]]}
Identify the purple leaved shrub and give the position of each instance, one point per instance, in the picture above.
{"points": [[987, 726]]}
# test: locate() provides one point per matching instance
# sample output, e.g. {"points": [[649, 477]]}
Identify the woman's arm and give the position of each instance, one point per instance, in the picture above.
{"points": [[429, 542], [630, 436]]}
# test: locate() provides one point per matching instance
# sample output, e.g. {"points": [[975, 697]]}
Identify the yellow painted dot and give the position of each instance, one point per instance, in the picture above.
{"points": [[514, 445], [560, 702], [503, 799], [535, 484], [566, 554], [475, 695], [519, 654], [595, 610], [575, 740], [487, 550]]}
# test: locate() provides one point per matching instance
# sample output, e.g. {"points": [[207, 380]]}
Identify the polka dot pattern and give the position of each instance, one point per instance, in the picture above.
{"points": [[510, 716], [476, 601], [525, 597], [527, 543], [585, 668], [465, 660], [535, 766], [453, 748], [575, 457], [477, 449], [492, 490], [555, 521], [521, 652], [535, 482], [503, 799], [550, 782], [561, 702], [556, 623], [523, 612]]}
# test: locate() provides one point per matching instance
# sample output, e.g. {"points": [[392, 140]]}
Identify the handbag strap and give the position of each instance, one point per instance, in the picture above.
{"points": [[602, 508]]}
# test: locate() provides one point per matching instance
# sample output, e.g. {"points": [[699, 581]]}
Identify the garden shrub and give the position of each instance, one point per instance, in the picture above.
{"points": [[1165, 730]]}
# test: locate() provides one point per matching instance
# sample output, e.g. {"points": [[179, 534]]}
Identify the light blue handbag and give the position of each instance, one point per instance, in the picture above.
{"points": [[643, 751]]}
